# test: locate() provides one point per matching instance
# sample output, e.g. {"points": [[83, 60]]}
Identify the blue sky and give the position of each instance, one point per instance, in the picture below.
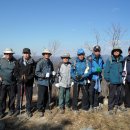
{"points": [[35, 23]]}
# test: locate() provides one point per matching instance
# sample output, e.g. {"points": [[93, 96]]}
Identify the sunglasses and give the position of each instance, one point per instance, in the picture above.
{"points": [[80, 54], [97, 50], [8, 54], [47, 54], [65, 58], [116, 51]]}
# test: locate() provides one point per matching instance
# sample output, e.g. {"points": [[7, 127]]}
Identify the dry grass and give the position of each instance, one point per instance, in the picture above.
{"points": [[70, 121]]}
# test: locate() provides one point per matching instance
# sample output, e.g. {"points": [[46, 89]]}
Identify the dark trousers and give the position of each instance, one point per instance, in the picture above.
{"points": [[85, 96], [43, 97], [116, 96], [93, 95], [127, 95], [7, 90], [27, 91]]}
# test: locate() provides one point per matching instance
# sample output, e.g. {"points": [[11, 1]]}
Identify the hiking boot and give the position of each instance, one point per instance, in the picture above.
{"points": [[29, 114], [17, 113], [40, 114], [96, 109], [91, 109], [10, 113], [115, 109], [122, 109], [127, 109], [1, 115], [62, 111], [111, 112]]}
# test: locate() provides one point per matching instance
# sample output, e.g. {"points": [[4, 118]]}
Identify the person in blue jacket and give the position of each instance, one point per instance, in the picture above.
{"points": [[113, 74], [79, 77], [96, 65], [44, 73]]}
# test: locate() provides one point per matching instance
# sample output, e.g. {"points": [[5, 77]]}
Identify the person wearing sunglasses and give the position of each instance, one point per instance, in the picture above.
{"points": [[96, 65]]}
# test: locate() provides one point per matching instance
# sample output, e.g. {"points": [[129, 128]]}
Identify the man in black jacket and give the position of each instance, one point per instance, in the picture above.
{"points": [[25, 72], [126, 74]]}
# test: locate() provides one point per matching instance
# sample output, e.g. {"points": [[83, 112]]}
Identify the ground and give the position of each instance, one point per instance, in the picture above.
{"points": [[70, 121]]}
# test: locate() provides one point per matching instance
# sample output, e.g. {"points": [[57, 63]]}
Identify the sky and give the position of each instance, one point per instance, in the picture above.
{"points": [[72, 23]]}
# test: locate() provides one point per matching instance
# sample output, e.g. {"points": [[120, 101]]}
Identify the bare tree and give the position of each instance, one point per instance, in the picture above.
{"points": [[54, 47], [88, 47], [115, 33], [97, 37]]}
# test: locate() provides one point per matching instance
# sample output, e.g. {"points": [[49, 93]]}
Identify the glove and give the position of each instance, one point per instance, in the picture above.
{"points": [[57, 85], [0, 78], [47, 75], [0, 81], [53, 73], [72, 84], [98, 70]]}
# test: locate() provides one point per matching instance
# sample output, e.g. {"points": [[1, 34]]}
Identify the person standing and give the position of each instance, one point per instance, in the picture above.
{"points": [[44, 73], [126, 76], [8, 82], [64, 83], [96, 65], [113, 75], [25, 72], [79, 77]]}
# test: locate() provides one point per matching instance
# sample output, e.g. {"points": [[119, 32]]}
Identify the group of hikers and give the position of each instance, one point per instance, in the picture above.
{"points": [[84, 73]]}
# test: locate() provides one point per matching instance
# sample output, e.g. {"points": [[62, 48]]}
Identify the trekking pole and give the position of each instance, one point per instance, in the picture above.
{"points": [[57, 96], [24, 85], [49, 98], [21, 87], [21, 96]]}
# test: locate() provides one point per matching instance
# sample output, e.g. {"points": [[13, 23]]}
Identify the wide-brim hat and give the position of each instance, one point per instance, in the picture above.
{"points": [[46, 51], [66, 55], [115, 49], [8, 51]]}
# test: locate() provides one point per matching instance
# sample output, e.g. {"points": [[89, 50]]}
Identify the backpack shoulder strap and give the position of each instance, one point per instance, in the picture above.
{"points": [[89, 58]]}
